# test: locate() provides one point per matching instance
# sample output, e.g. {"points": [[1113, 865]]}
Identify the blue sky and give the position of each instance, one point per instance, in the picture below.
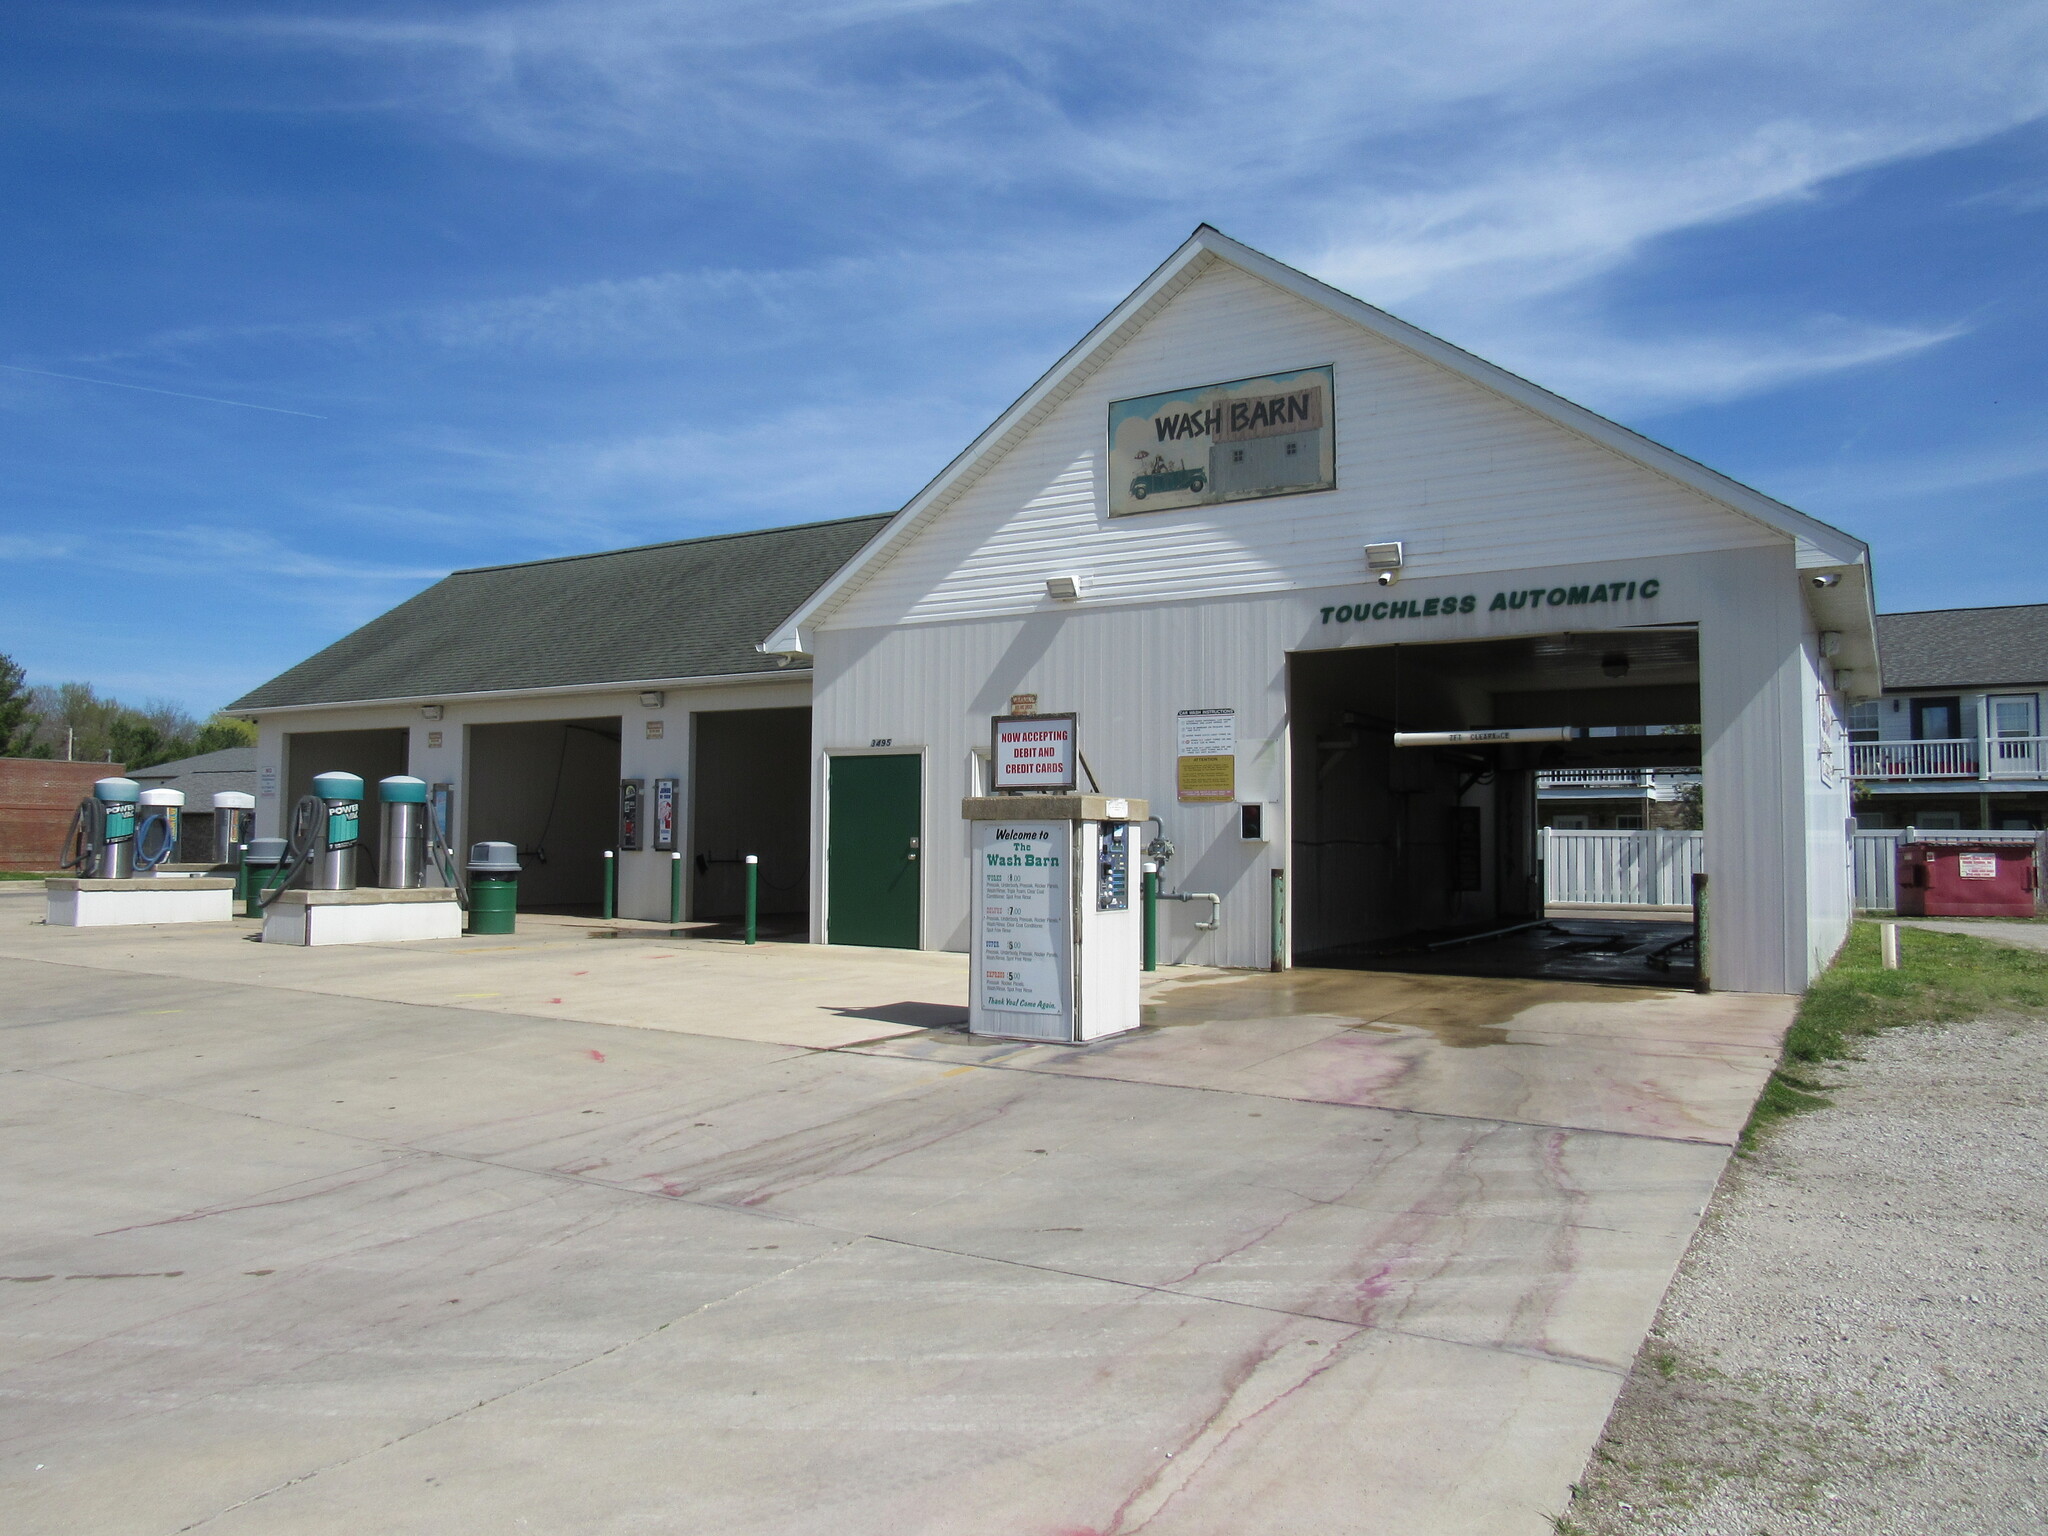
{"points": [[465, 283]]}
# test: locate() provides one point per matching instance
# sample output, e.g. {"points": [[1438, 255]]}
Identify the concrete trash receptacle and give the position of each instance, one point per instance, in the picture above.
{"points": [[493, 887]]}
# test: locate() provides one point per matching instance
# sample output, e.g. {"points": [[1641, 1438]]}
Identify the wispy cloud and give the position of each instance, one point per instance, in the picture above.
{"points": [[1466, 162]]}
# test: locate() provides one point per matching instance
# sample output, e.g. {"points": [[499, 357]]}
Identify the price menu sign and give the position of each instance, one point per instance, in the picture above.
{"points": [[1033, 752], [1024, 916]]}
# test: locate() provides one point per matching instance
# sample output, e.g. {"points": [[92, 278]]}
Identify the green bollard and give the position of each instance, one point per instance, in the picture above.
{"points": [[611, 885], [675, 887], [753, 896], [1151, 917], [1279, 919]]}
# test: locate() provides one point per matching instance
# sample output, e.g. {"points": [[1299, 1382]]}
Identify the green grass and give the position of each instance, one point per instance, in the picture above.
{"points": [[1942, 977], [22, 874]]}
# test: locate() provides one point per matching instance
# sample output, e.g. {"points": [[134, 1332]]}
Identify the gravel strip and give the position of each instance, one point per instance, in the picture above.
{"points": [[1857, 1340]]}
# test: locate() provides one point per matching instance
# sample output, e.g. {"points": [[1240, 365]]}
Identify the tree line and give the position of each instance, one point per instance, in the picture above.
{"points": [[74, 720]]}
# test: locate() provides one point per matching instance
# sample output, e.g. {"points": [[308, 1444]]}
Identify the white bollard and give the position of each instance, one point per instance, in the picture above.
{"points": [[1888, 945]]}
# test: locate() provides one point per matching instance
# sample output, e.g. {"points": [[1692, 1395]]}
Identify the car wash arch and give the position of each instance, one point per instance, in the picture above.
{"points": [[1415, 834]]}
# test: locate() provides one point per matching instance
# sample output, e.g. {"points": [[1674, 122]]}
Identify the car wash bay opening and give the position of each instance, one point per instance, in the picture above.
{"points": [[1418, 857]]}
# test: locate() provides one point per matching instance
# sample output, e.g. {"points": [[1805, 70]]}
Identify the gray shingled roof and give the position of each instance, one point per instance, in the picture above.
{"points": [[1964, 647], [694, 608], [199, 777]]}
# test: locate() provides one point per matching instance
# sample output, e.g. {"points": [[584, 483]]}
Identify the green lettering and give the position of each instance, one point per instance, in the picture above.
{"points": [[1326, 614], [1379, 610], [1559, 597], [1429, 608], [1470, 601], [1652, 587], [1577, 594]]}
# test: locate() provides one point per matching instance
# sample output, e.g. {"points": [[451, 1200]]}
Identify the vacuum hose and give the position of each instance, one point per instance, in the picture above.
{"points": [[302, 841], [144, 859], [82, 841], [445, 862]]}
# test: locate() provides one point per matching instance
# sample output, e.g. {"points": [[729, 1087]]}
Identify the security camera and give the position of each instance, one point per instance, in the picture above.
{"points": [[1826, 579], [1386, 578]]}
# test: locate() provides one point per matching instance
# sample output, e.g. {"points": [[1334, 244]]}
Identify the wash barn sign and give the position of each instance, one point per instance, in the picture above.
{"points": [[1269, 436]]}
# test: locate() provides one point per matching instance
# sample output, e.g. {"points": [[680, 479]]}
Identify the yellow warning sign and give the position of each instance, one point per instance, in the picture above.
{"points": [[1207, 778]]}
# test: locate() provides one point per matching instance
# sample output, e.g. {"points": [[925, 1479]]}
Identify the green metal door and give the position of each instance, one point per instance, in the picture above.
{"points": [[871, 859]]}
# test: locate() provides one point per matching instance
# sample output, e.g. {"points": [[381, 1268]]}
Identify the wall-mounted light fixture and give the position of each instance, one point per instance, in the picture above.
{"points": [[1063, 589], [1385, 561], [1825, 579], [430, 711], [1830, 642], [653, 698]]}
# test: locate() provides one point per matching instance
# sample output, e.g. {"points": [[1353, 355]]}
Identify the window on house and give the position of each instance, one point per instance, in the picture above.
{"points": [[1940, 821], [1863, 720], [1572, 821], [1625, 821], [1937, 719]]}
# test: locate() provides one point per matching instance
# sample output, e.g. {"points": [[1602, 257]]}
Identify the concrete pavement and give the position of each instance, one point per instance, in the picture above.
{"points": [[307, 1242]]}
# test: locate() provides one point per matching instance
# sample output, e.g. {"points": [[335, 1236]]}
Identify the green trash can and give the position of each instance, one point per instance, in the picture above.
{"points": [[262, 872], [493, 887]]}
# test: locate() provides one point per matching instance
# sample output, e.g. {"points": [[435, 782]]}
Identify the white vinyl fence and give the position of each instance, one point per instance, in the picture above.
{"points": [[1656, 868], [1637, 868], [1877, 869]]}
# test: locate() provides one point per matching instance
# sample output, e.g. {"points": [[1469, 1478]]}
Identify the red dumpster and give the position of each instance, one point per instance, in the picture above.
{"points": [[1966, 879]]}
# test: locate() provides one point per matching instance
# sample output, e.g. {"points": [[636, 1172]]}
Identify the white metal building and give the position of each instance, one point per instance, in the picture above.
{"points": [[1169, 533], [1496, 490]]}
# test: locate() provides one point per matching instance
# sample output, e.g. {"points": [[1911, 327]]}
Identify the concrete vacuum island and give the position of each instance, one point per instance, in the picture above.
{"points": [[303, 886]]}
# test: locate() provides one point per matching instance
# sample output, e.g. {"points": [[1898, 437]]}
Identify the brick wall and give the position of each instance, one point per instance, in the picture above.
{"points": [[37, 798]]}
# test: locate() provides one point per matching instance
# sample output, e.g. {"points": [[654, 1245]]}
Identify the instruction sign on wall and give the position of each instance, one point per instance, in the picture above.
{"points": [[1033, 752], [1205, 763], [1025, 964]]}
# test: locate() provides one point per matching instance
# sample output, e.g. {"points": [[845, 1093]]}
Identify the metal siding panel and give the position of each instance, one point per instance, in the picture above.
{"points": [[1475, 482], [1752, 697]]}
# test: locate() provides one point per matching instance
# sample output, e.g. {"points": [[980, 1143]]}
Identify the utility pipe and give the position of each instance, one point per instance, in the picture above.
{"points": [[611, 884], [1215, 907], [753, 896], [675, 887]]}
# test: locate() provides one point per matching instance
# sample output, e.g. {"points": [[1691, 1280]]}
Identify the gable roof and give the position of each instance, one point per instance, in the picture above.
{"points": [[658, 613], [1819, 544], [1965, 647], [200, 776]]}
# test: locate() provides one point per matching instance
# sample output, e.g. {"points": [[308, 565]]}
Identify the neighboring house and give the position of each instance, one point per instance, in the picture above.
{"points": [[1623, 799], [1620, 799], [1955, 743], [199, 777]]}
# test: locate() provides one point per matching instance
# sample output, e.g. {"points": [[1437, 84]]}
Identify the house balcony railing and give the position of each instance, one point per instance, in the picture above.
{"points": [[2003, 757], [1593, 778]]}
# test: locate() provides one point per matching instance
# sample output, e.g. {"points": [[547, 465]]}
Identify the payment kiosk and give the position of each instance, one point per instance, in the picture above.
{"points": [[1058, 931]]}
